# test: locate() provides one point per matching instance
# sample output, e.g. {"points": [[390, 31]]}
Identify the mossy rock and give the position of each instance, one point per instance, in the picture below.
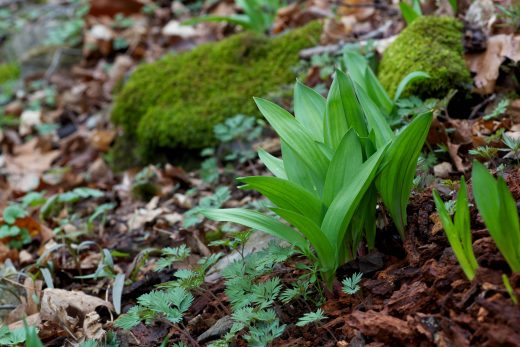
{"points": [[429, 44], [175, 102], [9, 72]]}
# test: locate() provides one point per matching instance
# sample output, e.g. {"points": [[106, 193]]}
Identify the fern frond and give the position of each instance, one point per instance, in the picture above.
{"points": [[311, 317]]}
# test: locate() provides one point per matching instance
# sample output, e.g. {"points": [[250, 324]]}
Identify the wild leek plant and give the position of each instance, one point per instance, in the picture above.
{"points": [[458, 231], [499, 212], [337, 154], [258, 15]]}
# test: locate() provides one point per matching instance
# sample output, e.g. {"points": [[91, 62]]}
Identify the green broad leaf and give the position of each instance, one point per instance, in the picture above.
{"points": [[365, 216], [343, 166], [396, 178], [347, 200], [362, 75], [273, 164], [286, 195], [377, 93], [417, 7], [309, 109], [324, 249], [31, 336], [462, 219], [498, 210], [408, 13], [412, 76], [258, 221], [355, 65], [12, 213], [240, 20], [454, 5], [295, 136], [459, 234], [343, 111], [376, 121], [117, 291], [299, 172]]}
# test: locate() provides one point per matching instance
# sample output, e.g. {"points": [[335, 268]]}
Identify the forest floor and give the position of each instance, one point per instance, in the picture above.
{"points": [[413, 291]]}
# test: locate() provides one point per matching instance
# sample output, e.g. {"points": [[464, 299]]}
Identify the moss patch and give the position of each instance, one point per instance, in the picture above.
{"points": [[432, 45], [175, 102], [9, 72]]}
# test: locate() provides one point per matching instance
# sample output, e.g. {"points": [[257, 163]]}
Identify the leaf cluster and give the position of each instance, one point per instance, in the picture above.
{"points": [[338, 156], [497, 207]]}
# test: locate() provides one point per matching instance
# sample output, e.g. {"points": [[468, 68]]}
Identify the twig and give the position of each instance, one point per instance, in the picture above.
{"points": [[482, 104], [56, 57], [336, 48]]}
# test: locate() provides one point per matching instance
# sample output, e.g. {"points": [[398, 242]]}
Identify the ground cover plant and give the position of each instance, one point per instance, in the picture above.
{"points": [[259, 173]]}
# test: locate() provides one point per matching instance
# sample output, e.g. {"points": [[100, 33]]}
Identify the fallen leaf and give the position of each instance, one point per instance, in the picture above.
{"points": [[27, 164], [442, 170], [76, 304], [486, 65], [28, 119]]}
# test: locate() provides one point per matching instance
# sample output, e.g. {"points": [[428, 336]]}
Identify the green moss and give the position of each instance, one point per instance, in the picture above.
{"points": [[432, 45], [9, 72], [175, 102]]}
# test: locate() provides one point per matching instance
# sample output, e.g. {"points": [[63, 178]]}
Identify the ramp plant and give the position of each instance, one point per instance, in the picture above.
{"points": [[338, 155], [458, 230], [499, 212]]}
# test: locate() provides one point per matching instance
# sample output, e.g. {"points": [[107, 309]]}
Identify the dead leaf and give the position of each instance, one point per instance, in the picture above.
{"points": [[27, 164], [28, 119], [486, 65], [481, 14], [92, 327], [32, 320], [442, 170], [453, 150], [76, 305], [113, 7], [337, 30], [101, 139]]}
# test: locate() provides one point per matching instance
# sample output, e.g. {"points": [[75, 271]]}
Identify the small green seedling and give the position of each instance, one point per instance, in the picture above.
{"points": [[458, 230], [258, 15], [509, 289], [18, 236], [499, 212], [351, 284]]}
